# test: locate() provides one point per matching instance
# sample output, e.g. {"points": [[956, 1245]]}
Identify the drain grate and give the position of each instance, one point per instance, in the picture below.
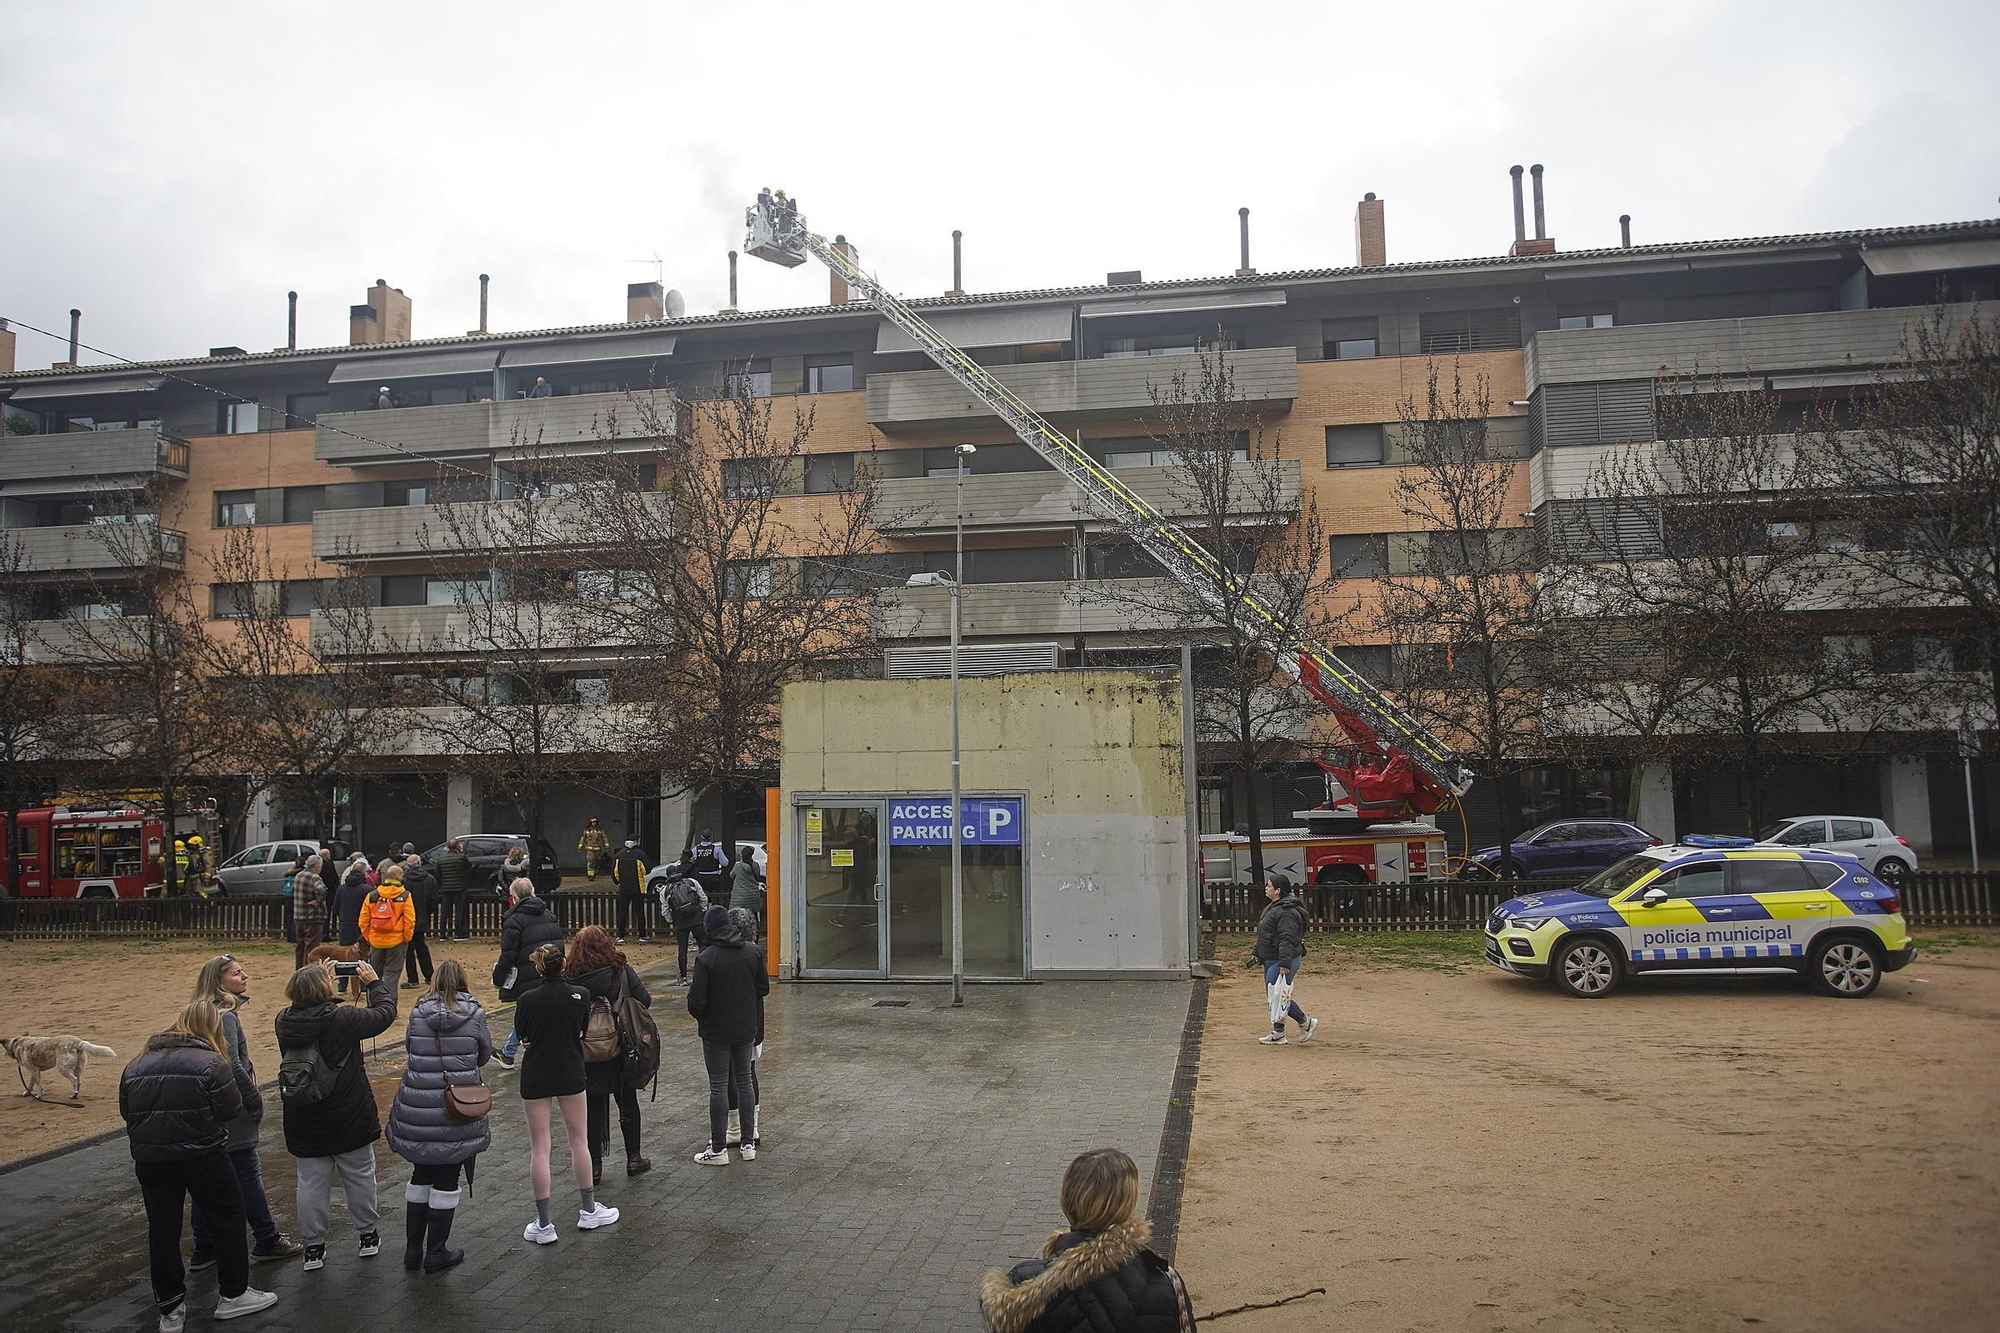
{"points": [[892, 1004]]}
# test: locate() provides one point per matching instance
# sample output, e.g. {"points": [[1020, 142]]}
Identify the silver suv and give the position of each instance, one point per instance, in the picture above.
{"points": [[1891, 858]]}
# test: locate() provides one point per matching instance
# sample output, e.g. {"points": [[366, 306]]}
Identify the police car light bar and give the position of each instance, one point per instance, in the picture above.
{"points": [[1716, 840]]}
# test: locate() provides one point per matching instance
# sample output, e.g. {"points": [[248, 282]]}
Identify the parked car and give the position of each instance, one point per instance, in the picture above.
{"points": [[1869, 841], [261, 867], [488, 850], [1567, 847]]}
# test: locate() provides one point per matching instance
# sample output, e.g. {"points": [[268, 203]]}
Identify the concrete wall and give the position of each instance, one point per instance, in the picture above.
{"points": [[1098, 753]]}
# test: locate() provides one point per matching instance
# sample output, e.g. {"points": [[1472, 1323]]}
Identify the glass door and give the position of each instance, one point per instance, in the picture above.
{"points": [[841, 877]]}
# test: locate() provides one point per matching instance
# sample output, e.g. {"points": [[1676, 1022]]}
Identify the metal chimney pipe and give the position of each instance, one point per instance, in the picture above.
{"points": [[1541, 227], [1625, 230], [483, 280], [291, 321], [1520, 215], [75, 327], [732, 279], [1243, 236], [957, 261]]}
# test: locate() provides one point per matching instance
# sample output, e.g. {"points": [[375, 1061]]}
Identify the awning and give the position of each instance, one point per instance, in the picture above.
{"points": [[1891, 260], [87, 386], [985, 328], [118, 481], [1186, 301], [629, 347], [415, 365]]}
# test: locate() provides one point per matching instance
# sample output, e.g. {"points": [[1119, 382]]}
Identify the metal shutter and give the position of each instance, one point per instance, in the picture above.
{"points": [[1569, 414], [1625, 411], [986, 659]]}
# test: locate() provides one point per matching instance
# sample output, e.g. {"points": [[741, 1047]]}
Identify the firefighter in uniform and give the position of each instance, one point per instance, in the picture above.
{"points": [[593, 844]]}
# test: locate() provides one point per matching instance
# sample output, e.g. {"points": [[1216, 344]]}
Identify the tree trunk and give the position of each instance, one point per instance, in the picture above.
{"points": [[1510, 815]]}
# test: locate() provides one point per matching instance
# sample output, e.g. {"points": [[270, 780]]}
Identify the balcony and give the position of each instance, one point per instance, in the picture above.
{"points": [[585, 730], [417, 631], [533, 426], [476, 527], [1029, 610], [1267, 378], [1027, 501], [1849, 341], [79, 461], [95, 642], [95, 550]]}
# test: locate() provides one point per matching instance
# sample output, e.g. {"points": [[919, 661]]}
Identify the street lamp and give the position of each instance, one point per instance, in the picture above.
{"points": [[955, 581]]}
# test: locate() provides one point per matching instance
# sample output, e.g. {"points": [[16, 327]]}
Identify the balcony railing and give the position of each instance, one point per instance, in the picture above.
{"points": [[912, 506], [1265, 378], [1023, 610], [85, 460], [495, 629], [96, 549], [517, 426], [473, 527], [108, 639]]}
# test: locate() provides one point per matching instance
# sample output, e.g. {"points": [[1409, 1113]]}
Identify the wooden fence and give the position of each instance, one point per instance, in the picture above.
{"points": [[248, 918]]}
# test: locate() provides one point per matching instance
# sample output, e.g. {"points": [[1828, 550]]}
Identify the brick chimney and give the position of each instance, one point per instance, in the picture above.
{"points": [[837, 293], [384, 319], [1371, 239], [645, 302], [6, 348]]}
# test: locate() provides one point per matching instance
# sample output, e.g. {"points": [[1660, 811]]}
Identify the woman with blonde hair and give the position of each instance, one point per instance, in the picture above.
{"points": [[224, 983], [177, 1100], [1098, 1275], [447, 1043]]}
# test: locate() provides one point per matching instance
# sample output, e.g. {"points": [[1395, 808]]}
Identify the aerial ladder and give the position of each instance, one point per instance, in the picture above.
{"points": [[1395, 766]]}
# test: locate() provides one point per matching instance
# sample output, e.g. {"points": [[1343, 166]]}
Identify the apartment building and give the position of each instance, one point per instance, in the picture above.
{"points": [[1573, 344]]}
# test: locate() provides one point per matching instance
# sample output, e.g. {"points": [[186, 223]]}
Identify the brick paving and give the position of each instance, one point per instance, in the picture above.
{"points": [[909, 1149]]}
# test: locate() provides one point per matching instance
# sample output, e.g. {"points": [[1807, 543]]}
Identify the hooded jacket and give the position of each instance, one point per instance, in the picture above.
{"points": [[402, 927], [507, 872], [726, 997], [444, 1046], [177, 1099], [1107, 1282], [629, 870], [745, 889], [347, 904], [347, 1118], [526, 928], [1281, 931]]}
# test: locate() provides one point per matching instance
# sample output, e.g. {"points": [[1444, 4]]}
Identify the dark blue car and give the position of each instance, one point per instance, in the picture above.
{"points": [[1565, 849]]}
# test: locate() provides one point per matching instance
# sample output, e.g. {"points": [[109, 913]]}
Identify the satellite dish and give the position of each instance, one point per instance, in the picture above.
{"points": [[676, 305]]}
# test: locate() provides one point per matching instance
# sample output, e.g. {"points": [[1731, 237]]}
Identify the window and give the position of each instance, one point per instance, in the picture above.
{"points": [[828, 473], [235, 509], [1446, 331], [302, 502], [752, 381], [1853, 830], [591, 689], [1143, 451], [1825, 874], [1702, 881], [858, 575], [302, 409], [1356, 446], [1018, 564], [458, 591], [236, 418], [1164, 344], [1583, 317], [1613, 412], [990, 458], [829, 374], [1122, 561], [1349, 339], [399, 493], [744, 580], [229, 601], [301, 596], [1555, 834], [1373, 662], [1803, 834], [1786, 876], [1360, 556], [747, 478], [402, 590]]}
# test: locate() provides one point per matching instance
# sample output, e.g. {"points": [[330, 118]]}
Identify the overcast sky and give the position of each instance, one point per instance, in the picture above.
{"points": [[174, 169]]}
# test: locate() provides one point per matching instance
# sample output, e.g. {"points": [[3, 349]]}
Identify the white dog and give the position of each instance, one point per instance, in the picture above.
{"points": [[65, 1055]]}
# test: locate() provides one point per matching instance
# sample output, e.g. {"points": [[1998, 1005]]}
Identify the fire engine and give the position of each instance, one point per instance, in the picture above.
{"points": [[64, 853], [1393, 853]]}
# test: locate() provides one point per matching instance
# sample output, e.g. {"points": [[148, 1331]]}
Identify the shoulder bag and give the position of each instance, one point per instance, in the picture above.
{"points": [[462, 1101]]}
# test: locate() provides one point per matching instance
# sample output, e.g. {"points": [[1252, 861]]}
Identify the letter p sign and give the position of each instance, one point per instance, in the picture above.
{"points": [[998, 817]]}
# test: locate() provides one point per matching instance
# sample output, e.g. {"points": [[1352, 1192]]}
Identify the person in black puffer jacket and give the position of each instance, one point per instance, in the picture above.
{"points": [[727, 1002], [1097, 1277], [177, 1100], [528, 925], [336, 1134], [1281, 948], [597, 966]]}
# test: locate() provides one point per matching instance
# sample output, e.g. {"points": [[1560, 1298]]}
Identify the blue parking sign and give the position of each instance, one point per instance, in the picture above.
{"points": [[925, 821]]}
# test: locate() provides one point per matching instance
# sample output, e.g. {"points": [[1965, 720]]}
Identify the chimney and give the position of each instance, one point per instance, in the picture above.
{"points": [[6, 348], [1130, 277], [484, 281], [384, 319], [215, 352], [1371, 239], [645, 302], [1243, 270], [732, 280], [75, 332], [837, 293], [957, 268], [291, 321], [1625, 230], [1541, 243]]}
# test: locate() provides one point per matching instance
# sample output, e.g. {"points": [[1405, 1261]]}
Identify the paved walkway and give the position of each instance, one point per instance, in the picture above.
{"points": [[909, 1148]]}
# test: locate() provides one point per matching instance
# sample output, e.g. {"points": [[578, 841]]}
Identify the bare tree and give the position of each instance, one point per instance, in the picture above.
{"points": [[39, 698]]}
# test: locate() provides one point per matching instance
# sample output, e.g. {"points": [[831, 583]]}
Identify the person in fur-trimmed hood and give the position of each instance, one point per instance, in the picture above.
{"points": [[1099, 1275]]}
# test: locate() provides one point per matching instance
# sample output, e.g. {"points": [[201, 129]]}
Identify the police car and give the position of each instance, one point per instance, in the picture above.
{"points": [[1708, 905]]}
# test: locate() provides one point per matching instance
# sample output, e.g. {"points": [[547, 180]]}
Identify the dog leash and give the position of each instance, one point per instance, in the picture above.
{"points": [[27, 1091]]}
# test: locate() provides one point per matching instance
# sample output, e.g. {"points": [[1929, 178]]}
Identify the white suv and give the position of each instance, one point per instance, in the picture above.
{"points": [[1869, 840]]}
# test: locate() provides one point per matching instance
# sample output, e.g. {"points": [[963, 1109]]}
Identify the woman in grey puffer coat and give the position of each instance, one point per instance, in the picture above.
{"points": [[447, 1043]]}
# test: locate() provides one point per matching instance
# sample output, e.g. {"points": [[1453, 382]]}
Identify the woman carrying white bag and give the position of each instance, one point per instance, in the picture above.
{"points": [[1281, 948]]}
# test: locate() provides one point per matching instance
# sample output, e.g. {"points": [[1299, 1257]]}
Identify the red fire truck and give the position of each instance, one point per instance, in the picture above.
{"points": [[1397, 853], [64, 853]]}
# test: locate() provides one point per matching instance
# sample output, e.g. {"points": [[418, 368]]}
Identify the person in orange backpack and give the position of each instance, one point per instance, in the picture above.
{"points": [[388, 920]]}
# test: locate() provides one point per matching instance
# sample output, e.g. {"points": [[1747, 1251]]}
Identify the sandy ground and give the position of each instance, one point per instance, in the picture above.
{"points": [[1462, 1150], [118, 992]]}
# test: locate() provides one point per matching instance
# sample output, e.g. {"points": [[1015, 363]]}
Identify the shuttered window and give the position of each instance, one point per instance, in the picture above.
{"points": [[1615, 412], [1600, 529], [1354, 446], [1360, 556], [1443, 332]]}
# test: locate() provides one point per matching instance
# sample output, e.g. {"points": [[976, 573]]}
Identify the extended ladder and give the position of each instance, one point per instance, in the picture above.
{"points": [[777, 233]]}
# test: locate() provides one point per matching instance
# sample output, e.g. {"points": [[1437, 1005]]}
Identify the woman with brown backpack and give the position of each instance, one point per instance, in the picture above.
{"points": [[597, 966], [551, 1019]]}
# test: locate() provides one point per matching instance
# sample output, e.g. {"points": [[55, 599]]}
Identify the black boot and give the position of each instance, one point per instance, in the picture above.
{"points": [[437, 1258], [416, 1217]]}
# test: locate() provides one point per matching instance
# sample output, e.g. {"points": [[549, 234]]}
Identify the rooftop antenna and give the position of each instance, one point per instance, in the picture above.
{"points": [[659, 267]]}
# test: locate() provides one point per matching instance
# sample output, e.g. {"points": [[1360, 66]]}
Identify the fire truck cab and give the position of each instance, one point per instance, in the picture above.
{"points": [[56, 852]]}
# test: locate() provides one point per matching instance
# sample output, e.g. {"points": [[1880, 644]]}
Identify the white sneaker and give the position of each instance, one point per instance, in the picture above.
{"points": [[599, 1215], [250, 1302], [1306, 1033], [175, 1322], [747, 1151], [710, 1157], [539, 1234], [1272, 1039]]}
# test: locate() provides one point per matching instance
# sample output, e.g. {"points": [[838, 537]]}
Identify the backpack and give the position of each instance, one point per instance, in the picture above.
{"points": [[306, 1077], [686, 900], [600, 1034], [639, 1037], [385, 916]]}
